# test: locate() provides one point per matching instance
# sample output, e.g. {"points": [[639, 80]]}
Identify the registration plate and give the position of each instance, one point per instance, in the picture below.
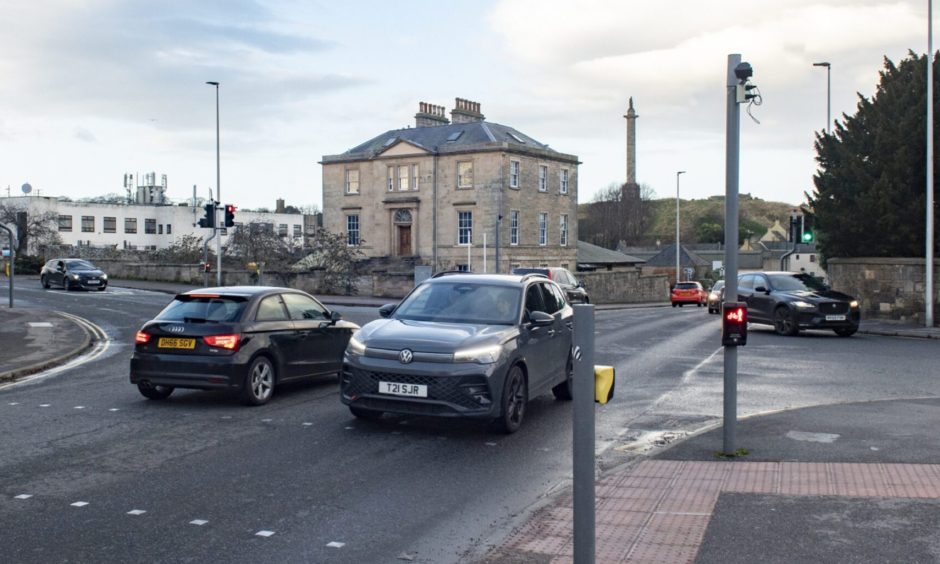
{"points": [[835, 318], [176, 343], [398, 389], [92, 282]]}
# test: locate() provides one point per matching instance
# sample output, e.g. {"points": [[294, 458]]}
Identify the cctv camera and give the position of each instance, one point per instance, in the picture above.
{"points": [[743, 71]]}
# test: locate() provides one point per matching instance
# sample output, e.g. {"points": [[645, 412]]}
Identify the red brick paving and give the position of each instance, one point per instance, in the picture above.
{"points": [[658, 511]]}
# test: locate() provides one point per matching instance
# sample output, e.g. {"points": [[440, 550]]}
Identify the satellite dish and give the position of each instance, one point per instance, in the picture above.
{"points": [[27, 188]]}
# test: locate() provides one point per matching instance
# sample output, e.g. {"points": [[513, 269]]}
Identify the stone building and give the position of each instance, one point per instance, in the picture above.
{"points": [[459, 193]]}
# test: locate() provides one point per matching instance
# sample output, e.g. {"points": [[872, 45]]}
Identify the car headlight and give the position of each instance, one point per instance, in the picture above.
{"points": [[104, 276], [853, 304], [75, 277], [803, 305], [481, 355], [355, 346]]}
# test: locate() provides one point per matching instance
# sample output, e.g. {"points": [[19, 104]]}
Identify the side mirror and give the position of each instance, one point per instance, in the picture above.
{"points": [[335, 316], [541, 319], [580, 284], [386, 310], [761, 289]]}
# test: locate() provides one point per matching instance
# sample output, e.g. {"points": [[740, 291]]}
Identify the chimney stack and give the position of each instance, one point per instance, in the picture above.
{"points": [[430, 115], [466, 111], [279, 206]]}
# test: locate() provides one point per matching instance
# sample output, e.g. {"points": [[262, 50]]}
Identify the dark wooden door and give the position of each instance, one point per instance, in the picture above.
{"points": [[404, 240]]}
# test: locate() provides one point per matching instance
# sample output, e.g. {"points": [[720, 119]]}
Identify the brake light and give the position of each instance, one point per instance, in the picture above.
{"points": [[550, 276], [142, 338], [227, 342]]}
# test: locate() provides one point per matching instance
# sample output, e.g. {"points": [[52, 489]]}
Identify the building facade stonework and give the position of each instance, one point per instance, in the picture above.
{"points": [[455, 195]]}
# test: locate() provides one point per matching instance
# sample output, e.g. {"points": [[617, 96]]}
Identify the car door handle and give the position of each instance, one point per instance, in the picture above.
{"points": [[570, 325], [551, 332], [303, 334]]}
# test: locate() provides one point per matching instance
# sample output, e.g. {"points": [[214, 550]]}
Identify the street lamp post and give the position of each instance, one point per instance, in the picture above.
{"points": [[677, 225], [828, 93], [218, 189]]}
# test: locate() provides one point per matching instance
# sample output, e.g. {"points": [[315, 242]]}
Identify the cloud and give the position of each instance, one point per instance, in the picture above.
{"points": [[85, 135]]}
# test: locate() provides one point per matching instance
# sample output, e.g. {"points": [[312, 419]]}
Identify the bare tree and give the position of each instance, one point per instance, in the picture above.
{"points": [[619, 212], [36, 229], [340, 263]]}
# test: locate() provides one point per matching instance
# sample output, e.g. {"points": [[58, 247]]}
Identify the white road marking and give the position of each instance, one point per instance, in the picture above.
{"points": [[23, 496], [39, 324], [348, 428], [80, 504], [264, 533], [198, 522], [114, 409], [14, 403], [812, 437], [226, 417], [335, 544], [45, 404], [307, 423], [490, 444], [136, 512], [266, 420], [79, 407]]}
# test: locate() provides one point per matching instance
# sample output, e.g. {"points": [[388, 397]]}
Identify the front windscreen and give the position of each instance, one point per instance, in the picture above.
{"points": [[461, 302], [796, 283], [80, 265], [203, 309]]}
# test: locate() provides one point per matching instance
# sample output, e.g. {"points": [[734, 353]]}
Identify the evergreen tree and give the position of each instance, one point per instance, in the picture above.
{"points": [[870, 197]]}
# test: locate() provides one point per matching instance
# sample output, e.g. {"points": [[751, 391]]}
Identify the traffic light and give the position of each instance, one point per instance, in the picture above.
{"points": [[209, 220], [207, 267], [807, 236], [229, 215], [734, 325]]}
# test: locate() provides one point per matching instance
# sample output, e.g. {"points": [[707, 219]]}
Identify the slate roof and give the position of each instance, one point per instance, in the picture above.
{"points": [[667, 257], [592, 254], [444, 138]]}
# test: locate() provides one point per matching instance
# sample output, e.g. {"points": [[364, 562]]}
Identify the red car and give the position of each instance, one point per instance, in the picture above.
{"points": [[689, 293]]}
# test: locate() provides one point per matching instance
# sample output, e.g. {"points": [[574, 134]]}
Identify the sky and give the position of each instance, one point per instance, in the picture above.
{"points": [[94, 89]]}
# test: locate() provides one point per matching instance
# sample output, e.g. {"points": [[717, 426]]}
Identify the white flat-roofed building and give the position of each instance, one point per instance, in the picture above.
{"points": [[143, 227]]}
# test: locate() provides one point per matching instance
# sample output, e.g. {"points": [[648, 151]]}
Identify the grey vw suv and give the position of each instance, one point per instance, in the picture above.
{"points": [[463, 345]]}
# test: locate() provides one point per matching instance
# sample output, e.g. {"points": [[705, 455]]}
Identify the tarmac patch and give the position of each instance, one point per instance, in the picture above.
{"points": [[812, 437]]}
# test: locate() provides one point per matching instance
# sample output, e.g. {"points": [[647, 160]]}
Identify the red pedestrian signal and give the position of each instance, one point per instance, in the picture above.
{"points": [[734, 325]]}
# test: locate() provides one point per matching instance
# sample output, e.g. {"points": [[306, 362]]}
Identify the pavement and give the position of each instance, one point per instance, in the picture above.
{"points": [[838, 483]]}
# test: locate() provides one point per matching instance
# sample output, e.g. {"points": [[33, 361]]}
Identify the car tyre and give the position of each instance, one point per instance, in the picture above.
{"points": [[513, 402], [565, 390], [846, 331], [367, 414], [150, 391], [44, 281], [674, 305], [259, 383], [785, 322]]}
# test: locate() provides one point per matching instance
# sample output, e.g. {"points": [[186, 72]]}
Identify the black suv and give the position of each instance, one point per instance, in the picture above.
{"points": [[791, 301], [463, 345], [574, 289]]}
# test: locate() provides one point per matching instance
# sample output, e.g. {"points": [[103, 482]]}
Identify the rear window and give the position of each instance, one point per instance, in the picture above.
{"points": [[204, 309], [542, 271], [687, 286]]}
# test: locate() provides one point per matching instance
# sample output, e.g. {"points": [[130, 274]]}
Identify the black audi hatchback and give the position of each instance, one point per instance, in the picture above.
{"points": [[791, 301], [246, 339]]}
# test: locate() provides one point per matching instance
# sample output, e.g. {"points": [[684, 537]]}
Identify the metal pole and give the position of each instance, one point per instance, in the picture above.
{"points": [[928, 297], [678, 277], [12, 260], [828, 94], [218, 191], [732, 149], [583, 433], [484, 253]]}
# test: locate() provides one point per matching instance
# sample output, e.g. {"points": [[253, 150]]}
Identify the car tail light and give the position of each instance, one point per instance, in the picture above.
{"points": [[142, 338], [228, 342]]}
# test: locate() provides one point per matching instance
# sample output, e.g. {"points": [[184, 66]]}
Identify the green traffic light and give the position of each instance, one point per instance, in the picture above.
{"points": [[807, 237]]}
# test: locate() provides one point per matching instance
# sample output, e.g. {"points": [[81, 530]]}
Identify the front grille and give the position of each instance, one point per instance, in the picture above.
{"points": [[416, 408], [450, 389], [833, 308]]}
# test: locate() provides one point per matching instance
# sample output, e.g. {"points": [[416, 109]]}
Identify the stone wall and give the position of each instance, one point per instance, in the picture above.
{"points": [[625, 286], [888, 288]]}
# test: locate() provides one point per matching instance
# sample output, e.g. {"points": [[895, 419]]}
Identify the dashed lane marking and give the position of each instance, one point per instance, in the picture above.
{"points": [[114, 409], [307, 423], [39, 324], [79, 407], [336, 544], [23, 496], [264, 533], [136, 512], [45, 404], [14, 403], [198, 522], [79, 504]]}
